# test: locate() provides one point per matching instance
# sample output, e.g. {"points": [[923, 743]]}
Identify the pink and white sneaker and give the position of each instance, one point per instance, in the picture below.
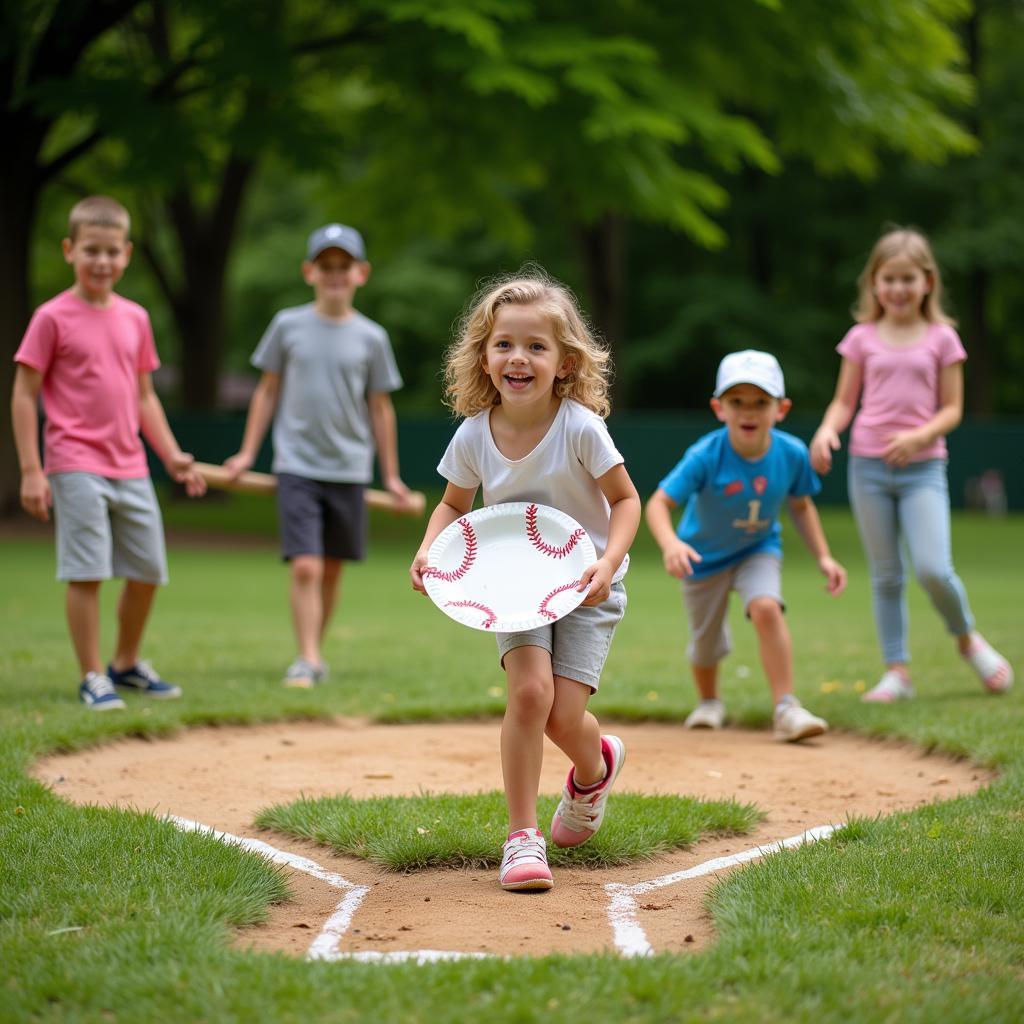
{"points": [[524, 862], [993, 669], [579, 815]]}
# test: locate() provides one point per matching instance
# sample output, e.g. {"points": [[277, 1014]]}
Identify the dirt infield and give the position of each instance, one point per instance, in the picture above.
{"points": [[222, 776]]}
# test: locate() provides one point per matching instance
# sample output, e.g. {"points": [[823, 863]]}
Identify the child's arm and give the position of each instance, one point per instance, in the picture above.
{"points": [[678, 557], [36, 497], [837, 416], [617, 487], [262, 407], [385, 436], [905, 444], [808, 524], [456, 502], [157, 431]]}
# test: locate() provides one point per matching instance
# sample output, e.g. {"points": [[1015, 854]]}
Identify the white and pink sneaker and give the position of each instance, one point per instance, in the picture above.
{"points": [[579, 815], [993, 669], [524, 862]]}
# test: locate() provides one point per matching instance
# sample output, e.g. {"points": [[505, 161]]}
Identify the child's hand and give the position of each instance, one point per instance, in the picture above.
{"points": [[36, 496], [679, 558], [823, 444], [902, 447], [397, 488], [238, 464], [181, 469], [597, 582], [834, 574], [419, 563]]}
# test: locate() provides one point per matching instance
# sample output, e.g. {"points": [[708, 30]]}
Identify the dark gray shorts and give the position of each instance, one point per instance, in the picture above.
{"points": [[322, 518]]}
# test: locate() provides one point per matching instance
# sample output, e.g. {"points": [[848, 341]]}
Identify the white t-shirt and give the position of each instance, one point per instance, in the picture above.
{"points": [[561, 471]]}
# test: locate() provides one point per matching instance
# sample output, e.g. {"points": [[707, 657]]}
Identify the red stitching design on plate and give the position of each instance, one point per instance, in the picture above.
{"points": [[543, 609], [450, 576], [533, 532], [490, 619]]}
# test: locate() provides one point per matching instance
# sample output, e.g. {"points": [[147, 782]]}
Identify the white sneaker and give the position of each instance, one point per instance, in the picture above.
{"points": [[708, 714], [890, 688], [304, 675], [579, 815], [794, 722], [993, 669], [524, 862]]}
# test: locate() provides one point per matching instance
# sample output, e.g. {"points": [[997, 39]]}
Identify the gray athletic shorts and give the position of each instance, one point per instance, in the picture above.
{"points": [[108, 527], [318, 517], [579, 643], [707, 603]]}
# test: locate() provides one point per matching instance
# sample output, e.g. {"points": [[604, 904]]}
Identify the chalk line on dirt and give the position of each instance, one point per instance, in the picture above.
{"points": [[629, 937]]}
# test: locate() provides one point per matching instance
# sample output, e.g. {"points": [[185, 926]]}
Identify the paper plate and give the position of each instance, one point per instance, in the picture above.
{"points": [[509, 567]]}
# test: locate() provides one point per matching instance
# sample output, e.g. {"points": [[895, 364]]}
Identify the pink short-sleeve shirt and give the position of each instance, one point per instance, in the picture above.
{"points": [[900, 388], [90, 359]]}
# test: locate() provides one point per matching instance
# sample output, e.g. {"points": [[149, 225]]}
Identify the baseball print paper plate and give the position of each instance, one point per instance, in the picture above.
{"points": [[509, 567]]}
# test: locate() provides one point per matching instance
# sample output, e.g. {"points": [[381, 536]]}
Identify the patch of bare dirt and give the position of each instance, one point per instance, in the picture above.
{"points": [[223, 776]]}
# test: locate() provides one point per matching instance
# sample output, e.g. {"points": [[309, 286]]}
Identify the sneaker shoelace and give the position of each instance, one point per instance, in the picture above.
{"points": [[579, 813], [527, 848], [100, 686], [146, 670]]}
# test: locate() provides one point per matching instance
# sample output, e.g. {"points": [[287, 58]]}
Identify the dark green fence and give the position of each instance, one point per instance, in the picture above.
{"points": [[651, 444]]}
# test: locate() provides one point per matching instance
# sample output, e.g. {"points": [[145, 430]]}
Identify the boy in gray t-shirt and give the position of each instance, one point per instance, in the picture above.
{"points": [[327, 377]]}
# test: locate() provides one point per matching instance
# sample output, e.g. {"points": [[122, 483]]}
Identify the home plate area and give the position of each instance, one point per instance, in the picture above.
{"points": [[344, 908]]}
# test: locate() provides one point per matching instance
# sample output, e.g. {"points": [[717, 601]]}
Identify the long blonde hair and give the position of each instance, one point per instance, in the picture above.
{"points": [[467, 387], [912, 245]]}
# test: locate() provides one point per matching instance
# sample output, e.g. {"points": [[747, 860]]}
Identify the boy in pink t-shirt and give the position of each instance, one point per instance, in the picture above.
{"points": [[90, 354]]}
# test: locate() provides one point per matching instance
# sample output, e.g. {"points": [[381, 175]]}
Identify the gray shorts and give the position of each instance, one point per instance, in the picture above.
{"points": [[579, 643], [318, 517], [707, 603], [108, 527]]}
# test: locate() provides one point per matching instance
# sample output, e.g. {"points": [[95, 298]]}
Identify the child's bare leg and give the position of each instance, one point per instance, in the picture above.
{"points": [[82, 606], [575, 731], [530, 696], [307, 573], [133, 608], [329, 584], [775, 645], [705, 678]]}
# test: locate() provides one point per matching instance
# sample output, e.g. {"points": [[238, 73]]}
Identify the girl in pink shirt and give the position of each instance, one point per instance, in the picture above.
{"points": [[903, 363]]}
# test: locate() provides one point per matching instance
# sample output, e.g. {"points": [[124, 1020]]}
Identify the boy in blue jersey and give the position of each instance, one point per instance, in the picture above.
{"points": [[733, 482]]}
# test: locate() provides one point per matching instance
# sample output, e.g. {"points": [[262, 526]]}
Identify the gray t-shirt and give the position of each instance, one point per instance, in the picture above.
{"points": [[327, 367]]}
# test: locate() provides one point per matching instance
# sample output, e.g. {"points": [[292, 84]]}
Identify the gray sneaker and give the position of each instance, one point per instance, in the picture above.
{"points": [[304, 675], [794, 722], [708, 714]]}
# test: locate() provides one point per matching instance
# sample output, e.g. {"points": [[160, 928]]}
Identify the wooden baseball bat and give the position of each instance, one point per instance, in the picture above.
{"points": [[251, 482]]}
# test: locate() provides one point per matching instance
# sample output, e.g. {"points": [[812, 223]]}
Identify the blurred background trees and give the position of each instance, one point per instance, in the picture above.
{"points": [[706, 177]]}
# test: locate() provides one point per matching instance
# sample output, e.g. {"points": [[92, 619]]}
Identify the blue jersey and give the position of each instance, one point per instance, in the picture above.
{"points": [[732, 503]]}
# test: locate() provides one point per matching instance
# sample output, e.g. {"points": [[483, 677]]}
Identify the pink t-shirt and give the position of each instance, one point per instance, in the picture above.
{"points": [[900, 389], [90, 359]]}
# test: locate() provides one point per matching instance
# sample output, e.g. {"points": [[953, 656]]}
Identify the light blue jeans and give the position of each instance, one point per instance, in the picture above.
{"points": [[910, 504]]}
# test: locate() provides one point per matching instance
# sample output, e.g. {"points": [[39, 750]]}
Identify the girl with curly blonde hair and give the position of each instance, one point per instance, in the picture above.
{"points": [[531, 381]]}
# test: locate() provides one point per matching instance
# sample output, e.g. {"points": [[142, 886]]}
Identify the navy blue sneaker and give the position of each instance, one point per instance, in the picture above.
{"points": [[144, 678], [98, 694]]}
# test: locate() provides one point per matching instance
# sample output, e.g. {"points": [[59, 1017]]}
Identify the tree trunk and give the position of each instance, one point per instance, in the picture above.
{"points": [[17, 215], [600, 247]]}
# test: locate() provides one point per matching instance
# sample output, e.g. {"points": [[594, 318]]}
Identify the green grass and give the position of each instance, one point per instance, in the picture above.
{"points": [[914, 917], [409, 833]]}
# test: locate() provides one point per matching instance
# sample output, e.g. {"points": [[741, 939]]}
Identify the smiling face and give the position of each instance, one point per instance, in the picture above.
{"points": [[335, 275], [99, 256], [749, 414], [901, 287], [522, 356]]}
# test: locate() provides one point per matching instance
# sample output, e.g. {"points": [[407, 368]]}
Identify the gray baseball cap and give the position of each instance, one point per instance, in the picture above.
{"points": [[336, 236]]}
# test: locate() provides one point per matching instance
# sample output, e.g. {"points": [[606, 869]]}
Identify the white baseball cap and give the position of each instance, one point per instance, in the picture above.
{"points": [[751, 367]]}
